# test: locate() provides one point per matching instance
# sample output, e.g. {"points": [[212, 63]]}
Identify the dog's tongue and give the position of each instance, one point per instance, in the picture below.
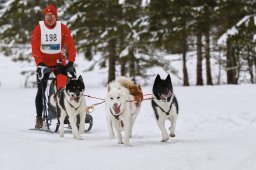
{"points": [[117, 109], [165, 96], [162, 97]]}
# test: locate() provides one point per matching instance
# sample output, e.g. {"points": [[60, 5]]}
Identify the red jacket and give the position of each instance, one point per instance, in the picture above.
{"points": [[50, 59]]}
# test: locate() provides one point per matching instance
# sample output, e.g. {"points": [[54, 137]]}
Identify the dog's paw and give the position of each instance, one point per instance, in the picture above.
{"points": [[81, 131], [62, 135], [128, 145], [79, 138], [165, 139], [120, 142], [172, 135]]}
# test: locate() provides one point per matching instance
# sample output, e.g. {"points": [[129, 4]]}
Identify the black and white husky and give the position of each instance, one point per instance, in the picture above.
{"points": [[165, 105], [69, 101]]}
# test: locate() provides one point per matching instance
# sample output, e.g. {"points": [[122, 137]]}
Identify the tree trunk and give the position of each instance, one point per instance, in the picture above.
{"points": [[184, 57], [236, 64], [229, 63], [207, 59], [132, 70], [250, 64], [185, 71], [254, 60], [111, 60], [232, 64], [123, 66], [199, 80]]}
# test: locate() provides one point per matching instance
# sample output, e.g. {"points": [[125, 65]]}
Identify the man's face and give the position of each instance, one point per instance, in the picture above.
{"points": [[50, 18]]}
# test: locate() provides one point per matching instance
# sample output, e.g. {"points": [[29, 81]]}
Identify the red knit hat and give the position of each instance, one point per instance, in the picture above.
{"points": [[51, 8]]}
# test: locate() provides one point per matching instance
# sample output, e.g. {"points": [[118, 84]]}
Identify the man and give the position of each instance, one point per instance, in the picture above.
{"points": [[48, 40]]}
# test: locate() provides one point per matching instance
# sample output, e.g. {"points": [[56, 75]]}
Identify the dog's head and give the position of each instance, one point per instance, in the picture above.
{"points": [[75, 88], [162, 89], [116, 99]]}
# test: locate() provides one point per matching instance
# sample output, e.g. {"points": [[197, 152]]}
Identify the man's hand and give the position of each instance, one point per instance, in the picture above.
{"points": [[42, 69], [69, 68]]}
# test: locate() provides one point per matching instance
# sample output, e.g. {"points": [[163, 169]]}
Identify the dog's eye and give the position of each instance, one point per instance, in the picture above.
{"points": [[111, 98], [118, 97]]}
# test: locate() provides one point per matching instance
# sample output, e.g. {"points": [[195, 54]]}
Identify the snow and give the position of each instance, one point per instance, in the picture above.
{"points": [[215, 130], [6, 6], [144, 3]]}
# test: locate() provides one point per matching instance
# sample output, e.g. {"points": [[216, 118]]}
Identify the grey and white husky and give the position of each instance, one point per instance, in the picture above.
{"points": [[69, 101], [165, 105]]}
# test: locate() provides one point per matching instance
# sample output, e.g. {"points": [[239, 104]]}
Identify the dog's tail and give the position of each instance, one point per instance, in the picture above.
{"points": [[125, 82]]}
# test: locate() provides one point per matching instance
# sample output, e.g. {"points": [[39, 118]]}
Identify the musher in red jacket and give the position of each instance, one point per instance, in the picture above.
{"points": [[48, 40]]}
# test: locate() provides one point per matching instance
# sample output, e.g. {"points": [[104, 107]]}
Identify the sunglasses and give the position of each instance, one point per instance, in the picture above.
{"points": [[50, 16]]}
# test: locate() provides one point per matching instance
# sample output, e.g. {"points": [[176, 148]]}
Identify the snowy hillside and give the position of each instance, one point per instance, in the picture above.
{"points": [[215, 130]]}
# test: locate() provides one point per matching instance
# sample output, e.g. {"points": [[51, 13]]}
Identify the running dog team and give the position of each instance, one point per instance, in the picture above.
{"points": [[123, 103]]}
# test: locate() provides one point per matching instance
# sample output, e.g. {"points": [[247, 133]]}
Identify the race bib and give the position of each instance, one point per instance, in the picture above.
{"points": [[50, 38]]}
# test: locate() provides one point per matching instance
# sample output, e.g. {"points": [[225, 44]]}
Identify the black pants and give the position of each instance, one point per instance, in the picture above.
{"points": [[41, 86]]}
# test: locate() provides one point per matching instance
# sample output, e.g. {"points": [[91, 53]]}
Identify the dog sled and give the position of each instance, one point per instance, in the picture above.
{"points": [[51, 122]]}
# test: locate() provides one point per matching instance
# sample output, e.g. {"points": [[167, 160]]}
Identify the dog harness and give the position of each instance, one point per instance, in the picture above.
{"points": [[167, 113], [116, 116], [121, 123]]}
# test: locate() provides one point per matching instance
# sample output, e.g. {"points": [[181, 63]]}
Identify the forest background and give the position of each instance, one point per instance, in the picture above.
{"points": [[128, 37]]}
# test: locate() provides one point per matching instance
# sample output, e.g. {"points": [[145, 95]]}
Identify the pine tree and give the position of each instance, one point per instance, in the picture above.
{"points": [[95, 30], [133, 39], [170, 27], [228, 14]]}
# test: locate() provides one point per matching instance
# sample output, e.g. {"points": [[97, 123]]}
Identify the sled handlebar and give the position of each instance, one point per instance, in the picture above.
{"points": [[58, 69]]}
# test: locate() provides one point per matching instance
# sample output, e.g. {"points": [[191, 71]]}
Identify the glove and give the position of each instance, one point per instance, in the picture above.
{"points": [[69, 67], [42, 69], [66, 68]]}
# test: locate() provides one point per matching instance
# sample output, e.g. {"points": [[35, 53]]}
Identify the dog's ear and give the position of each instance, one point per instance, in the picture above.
{"points": [[109, 88], [158, 78], [168, 78], [80, 78]]}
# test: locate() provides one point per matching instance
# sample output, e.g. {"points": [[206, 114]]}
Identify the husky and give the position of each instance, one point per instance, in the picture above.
{"points": [[123, 102], [165, 105], [69, 101]]}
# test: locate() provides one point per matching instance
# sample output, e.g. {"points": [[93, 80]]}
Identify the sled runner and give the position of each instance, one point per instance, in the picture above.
{"points": [[49, 112]]}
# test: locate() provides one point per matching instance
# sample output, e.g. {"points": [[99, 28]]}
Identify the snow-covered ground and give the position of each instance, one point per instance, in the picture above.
{"points": [[215, 130]]}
